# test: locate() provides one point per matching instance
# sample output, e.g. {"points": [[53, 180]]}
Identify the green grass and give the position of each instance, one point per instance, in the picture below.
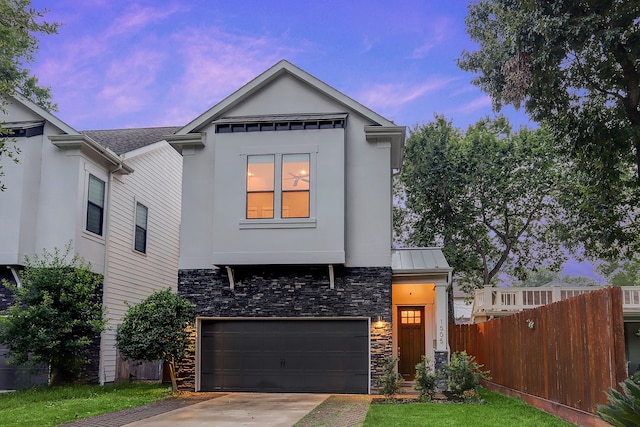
{"points": [[50, 406], [499, 411]]}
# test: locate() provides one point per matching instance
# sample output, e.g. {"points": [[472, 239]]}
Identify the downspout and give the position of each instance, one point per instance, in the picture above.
{"points": [[105, 262]]}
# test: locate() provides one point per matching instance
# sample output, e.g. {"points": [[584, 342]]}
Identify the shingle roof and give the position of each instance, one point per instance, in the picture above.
{"points": [[124, 140]]}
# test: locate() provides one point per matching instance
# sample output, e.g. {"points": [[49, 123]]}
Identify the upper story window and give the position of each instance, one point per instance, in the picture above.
{"points": [[95, 205], [295, 186], [140, 240], [282, 195], [260, 186]]}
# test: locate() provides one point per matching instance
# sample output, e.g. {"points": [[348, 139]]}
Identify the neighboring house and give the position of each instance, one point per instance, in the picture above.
{"points": [[286, 244], [115, 195], [493, 302], [462, 306]]}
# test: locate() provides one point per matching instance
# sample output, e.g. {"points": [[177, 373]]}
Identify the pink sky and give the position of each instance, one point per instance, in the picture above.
{"points": [[119, 64], [154, 63]]}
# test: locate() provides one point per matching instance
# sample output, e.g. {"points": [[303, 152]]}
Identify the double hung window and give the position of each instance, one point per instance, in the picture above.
{"points": [[140, 243], [285, 194], [95, 205]]}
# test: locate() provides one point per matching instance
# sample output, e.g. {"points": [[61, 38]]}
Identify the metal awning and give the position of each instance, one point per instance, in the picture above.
{"points": [[417, 261]]}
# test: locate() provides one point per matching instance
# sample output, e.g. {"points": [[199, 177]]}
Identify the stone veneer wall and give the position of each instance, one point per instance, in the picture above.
{"points": [[292, 291], [6, 297]]}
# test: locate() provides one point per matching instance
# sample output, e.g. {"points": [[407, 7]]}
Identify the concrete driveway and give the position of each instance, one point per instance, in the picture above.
{"points": [[240, 409]]}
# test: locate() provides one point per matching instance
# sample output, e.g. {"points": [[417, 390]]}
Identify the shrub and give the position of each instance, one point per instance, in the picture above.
{"points": [[425, 379], [390, 381], [56, 316], [623, 409], [464, 375], [156, 328]]}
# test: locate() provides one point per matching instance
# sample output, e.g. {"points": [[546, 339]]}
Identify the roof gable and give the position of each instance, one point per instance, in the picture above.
{"points": [[47, 116], [266, 78]]}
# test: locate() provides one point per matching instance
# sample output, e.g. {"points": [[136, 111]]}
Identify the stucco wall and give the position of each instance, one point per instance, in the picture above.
{"points": [[321, 240], [353, 213], [44, 204]]}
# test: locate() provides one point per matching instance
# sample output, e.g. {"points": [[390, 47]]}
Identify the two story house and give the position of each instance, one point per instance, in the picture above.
{"points": [[114, 195], [286, 244]]}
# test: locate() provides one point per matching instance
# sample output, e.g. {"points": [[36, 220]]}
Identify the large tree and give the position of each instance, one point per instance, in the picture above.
{"points": [[57, 314], [489, 196], [157, 329], [621, 272], [20, 24], [575, 66], [544, 276]]}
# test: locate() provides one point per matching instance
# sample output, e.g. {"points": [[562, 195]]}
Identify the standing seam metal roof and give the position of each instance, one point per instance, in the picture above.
{"points": [[419, 260]]}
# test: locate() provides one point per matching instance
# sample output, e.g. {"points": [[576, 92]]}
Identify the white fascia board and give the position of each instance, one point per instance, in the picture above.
{"points": [[195, 140], [83, 141], [45, 115], [261, 80], [395, 134], [144, 150]]}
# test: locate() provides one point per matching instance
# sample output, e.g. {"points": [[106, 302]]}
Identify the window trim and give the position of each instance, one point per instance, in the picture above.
{"points": [[278, 221], [283, 192], [272, 191], [88, 202], [135, 227]]}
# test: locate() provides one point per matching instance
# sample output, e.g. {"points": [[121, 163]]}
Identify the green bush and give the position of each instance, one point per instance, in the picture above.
{"points": [[425, 379], [56, 316], [464, 375], [623, 409], [157, 328], [390, 382]]}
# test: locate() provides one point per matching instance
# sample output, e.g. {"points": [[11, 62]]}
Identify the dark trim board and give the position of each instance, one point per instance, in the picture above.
{"points": [[285, 355]]}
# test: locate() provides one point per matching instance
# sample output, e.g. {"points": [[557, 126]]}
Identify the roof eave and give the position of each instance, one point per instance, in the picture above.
{"points": [[263, 79], [45, 114], [394, 134], [419, 272], [81, 142], [190, 140]]}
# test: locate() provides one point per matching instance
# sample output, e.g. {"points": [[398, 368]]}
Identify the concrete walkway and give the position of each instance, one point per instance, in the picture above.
{"points": [[240, 409]]}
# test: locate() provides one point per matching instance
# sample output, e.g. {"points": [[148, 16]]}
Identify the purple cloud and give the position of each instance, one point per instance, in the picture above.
{"points": [[394, 95]]}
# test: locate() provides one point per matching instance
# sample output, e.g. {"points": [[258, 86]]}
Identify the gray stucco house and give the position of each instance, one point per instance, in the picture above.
{"points": [[286, 244]]}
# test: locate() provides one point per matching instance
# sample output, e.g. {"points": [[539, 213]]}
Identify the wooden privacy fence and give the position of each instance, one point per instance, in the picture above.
{"points": [[570, 352]]}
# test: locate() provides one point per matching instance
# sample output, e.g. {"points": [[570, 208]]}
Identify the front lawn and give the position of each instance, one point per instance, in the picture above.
{"points": [[499, 411], [50, 406]]}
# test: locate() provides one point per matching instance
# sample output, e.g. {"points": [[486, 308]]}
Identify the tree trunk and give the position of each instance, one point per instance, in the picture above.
{"points": [[53, 375], [450, 306], [172, 373]]}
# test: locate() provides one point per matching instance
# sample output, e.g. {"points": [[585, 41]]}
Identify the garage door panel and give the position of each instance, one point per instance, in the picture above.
{"points": [[285, 355]]}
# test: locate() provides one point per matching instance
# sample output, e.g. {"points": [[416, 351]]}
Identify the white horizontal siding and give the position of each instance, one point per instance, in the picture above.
{"points": [[157, 183]]}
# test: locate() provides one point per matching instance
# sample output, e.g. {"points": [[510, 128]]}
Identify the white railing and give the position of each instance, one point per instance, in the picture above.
{"points": [[493, 301]]}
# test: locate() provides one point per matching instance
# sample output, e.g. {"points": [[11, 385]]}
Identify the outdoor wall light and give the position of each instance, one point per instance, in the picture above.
{"points": [[530, 323], [379, 323]]}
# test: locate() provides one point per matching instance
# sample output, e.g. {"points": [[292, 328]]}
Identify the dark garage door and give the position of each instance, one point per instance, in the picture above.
{"points": [[320, 356]]}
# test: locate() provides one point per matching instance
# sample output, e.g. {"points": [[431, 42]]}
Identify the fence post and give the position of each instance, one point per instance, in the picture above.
{"points": [[617, 329]]}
